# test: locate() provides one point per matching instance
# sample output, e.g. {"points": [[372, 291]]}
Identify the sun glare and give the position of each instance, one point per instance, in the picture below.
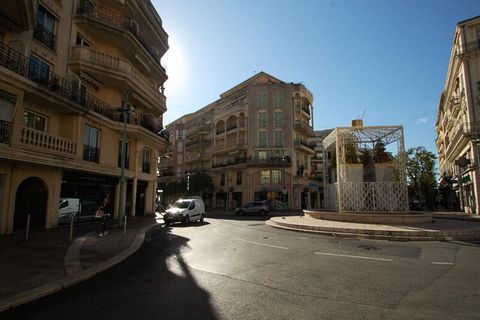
{"points": [[175, 66]]}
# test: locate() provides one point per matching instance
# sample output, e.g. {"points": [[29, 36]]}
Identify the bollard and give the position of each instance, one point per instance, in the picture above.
{"points": [[28, 227], [125, 227], [71, 228]]}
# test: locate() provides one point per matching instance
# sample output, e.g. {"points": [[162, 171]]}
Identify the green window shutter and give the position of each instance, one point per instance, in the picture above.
{"points": [[262, 119], [262, 101], [278, 100]]}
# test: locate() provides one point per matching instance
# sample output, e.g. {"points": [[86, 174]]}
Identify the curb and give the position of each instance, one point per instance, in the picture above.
{"points": [[373, 234], [73, 279]]}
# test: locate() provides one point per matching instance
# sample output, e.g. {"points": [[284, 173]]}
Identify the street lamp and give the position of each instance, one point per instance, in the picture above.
{"points": [[125, 109]]}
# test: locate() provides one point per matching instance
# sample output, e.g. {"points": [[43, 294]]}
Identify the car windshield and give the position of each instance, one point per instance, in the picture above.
{"points": [[181, 204]]}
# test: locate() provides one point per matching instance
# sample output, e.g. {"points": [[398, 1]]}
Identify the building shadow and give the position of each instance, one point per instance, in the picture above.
{"points": [[250, 216], [154, 283]]}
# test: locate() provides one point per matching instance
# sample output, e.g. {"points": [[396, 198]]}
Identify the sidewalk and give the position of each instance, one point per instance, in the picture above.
{"points": [[47, 262]]}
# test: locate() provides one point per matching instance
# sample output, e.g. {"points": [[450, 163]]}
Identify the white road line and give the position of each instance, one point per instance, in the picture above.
{"points": [[263, 244], [349, 256], [443, 263]]}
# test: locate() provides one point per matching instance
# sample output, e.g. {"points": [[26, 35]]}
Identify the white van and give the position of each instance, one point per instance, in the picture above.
{"points": [[68, 207], [185, 210]]}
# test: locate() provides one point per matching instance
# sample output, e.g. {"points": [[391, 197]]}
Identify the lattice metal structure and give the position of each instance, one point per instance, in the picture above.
{"points": [[366, 184]]}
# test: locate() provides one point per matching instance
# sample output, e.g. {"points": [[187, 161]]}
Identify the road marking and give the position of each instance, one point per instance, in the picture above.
{"points": [[349, 256], [263, 244], [443, 263]]}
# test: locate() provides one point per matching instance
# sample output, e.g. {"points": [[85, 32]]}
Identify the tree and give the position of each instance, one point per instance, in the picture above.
{"points": [[351, 155], [421, 176], [201, 183], [380, 155]]}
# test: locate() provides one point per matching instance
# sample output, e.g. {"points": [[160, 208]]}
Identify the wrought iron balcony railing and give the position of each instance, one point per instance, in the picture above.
{"points": [[470, 47], [276, 162], [45, 36], [5, 131], [23, 66]]}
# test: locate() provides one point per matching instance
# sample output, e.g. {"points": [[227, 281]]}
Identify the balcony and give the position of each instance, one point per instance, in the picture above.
{"points": [[304, 145], [20, 13], [198, 142], [43, 35], [304, 127], [197, 157], [199, 129], [229, 147], [48, 142], [91, 154], [272, 162], [5, 131], [470, 47], [83, 101], [101, 63], [115, 20]]}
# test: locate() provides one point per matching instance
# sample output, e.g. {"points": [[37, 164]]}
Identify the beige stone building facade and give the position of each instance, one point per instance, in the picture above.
{"points": [[457, 125], [66, 68], [254, 141]]}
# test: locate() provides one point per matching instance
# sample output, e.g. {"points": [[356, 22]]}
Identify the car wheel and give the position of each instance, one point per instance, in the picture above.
{"points": [[186, 220], [240, 212], [202, 217]]}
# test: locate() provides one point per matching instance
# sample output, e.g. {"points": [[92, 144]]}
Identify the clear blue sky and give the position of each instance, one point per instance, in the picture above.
{"points": [[389, 57]]}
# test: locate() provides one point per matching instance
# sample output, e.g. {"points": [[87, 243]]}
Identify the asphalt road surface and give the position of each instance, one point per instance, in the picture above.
{"points": [[237, 268]]}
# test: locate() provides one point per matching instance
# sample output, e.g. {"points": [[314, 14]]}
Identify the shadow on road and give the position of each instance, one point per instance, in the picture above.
{"points": [[250, 217], [154, 283]]}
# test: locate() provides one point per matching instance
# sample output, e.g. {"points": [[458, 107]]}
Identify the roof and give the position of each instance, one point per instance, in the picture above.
{"points": [[467, 20], [250, 81]]}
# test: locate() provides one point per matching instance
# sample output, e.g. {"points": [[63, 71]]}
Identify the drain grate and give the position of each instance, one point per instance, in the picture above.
{"points": [[365, 247]]}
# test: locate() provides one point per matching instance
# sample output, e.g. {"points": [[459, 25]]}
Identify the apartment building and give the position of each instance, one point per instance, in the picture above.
{"points": [[457, 125], [67, 69], [254, 143]]}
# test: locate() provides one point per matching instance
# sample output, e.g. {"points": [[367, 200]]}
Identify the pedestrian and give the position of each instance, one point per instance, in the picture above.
{"points": [[103, 212]]}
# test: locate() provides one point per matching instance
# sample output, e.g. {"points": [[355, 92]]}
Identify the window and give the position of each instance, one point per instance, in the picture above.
{"points": [[262, 119], [34, 121], [239, 177], [127, 158], [278, 119], [278, 138], [265, 177], [45, 28], [262, 101], [38, 70], [222, 179], [276, 177], [81, 41], [277, 100], [146, 160], [91, 151], [261, 155], [262, 138]]}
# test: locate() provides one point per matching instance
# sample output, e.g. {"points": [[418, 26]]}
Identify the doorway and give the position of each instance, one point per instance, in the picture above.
{"points": [[31, 198]]}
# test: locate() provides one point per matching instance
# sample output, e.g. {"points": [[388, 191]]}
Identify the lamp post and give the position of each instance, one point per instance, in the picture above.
{"points": [[125, 109]]}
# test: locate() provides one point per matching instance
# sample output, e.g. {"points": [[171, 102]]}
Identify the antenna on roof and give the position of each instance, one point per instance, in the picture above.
{"points": [[361, 114]]}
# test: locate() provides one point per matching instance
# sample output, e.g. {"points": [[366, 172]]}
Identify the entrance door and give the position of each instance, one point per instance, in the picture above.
{"points": [[140, 202], [31, 198]]}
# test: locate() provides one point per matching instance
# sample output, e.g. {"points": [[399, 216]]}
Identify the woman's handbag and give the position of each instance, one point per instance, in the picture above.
{"points": [[99, 213]]}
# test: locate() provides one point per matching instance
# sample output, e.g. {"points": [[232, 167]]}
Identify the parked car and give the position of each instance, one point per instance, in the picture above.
{"points": [[185, 210], [67, 208], [260, 207]]}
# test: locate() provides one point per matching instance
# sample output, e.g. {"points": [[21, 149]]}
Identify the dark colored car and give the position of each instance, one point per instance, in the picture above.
{"points": [[260, 207]]}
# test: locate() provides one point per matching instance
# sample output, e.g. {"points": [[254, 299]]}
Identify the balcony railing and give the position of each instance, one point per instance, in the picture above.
{"points": [[272, 162], [90, 153], [5, 131], [304, 126], [301, 142], [20, 64], [45, 36], [470, 47], [118, 65], [117, 20], [47, 141]]}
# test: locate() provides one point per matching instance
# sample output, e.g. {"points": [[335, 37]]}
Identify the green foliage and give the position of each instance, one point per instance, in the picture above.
{"points": [[421, 176], [351, 155], [201, 183], [366, 158], [380, 155]]}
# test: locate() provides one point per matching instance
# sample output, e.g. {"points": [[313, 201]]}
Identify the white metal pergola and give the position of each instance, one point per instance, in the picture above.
{"points": [[350, 193]]}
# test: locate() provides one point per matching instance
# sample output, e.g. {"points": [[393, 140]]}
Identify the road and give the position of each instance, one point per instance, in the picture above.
{"points": [[237, 268]]}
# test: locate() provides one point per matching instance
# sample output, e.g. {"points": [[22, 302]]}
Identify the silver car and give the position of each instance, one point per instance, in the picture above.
{"points": [[260, 207]]}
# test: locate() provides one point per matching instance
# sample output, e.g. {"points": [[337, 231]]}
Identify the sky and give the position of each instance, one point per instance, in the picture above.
{"points": [[383, 60]]}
